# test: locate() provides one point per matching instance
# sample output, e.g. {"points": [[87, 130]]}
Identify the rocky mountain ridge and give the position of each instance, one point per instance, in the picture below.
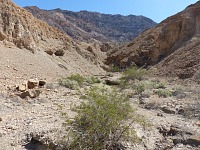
{"points": [[85, 25], [173, 45]]}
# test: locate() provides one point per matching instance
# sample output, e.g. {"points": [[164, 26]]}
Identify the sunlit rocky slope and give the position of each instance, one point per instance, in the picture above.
{"points": [[173, 46]]}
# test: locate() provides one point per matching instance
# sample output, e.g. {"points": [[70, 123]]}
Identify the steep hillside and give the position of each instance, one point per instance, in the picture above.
{"points": [[31, 48], [21, 28], [86, 25], [173, 44]]}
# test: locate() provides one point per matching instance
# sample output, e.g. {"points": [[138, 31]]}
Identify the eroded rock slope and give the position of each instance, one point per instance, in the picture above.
{"points": [[31, 48], [173, 44]]}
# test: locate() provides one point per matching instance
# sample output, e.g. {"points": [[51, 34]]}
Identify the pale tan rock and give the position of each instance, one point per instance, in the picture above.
{"points": [[22, 87], [32, 83]]}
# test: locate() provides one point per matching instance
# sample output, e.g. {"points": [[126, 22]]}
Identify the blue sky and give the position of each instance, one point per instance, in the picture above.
{"points": [[157, 10]]}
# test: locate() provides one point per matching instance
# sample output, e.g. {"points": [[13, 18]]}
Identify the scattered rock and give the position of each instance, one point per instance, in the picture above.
{"points": [[198, 123], [180, 109], [193, 140], [160, 114], [32, 83], [89, 48], [150, 106], [40, 141], [30, 93], [169, 130], [111, 82], [42, 83], [168, 110], [59, 52], [179, 94], [34, 93], [21, 87], [50, 52]]}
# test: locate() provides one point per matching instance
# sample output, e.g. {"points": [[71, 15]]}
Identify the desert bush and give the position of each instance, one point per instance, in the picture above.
{"points": [[74, 81], [133, 73], [139, 87], [158, 85], [112, 69], [71, 84], [103, 121], [129, 75], [163, 93], [78, 78], [92, 80]]}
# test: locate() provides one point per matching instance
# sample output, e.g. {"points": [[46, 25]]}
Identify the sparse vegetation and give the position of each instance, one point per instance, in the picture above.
{"points": [[133, 73], [163, 93], [115, 69], [103, 121], [158, 85], [76, 81], [78, 78], [130, 75], [92, 80], [71, 84]]}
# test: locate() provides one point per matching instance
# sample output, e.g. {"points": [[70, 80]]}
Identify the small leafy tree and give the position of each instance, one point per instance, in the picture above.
{"points": [[102, 122]]}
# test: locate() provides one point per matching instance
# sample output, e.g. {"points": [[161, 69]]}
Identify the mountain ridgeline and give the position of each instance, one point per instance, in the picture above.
{"points": [[85, 25]]}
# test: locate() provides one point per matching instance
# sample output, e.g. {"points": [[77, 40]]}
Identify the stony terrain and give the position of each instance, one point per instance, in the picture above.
{"points": [[36, 123], [34, 56], [173, 45], [90, 26]]}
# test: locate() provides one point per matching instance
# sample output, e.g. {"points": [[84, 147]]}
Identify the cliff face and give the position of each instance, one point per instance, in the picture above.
{"points": [[86, 26], [19, 27], [173, 45]]}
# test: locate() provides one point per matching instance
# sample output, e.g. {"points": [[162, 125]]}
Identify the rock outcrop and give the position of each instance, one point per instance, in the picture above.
{"points": [[19, 27], [173, 45], [89, 26]]}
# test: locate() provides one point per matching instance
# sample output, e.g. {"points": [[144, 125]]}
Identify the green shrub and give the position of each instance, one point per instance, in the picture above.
{"points": [[71, 84], [133, 73], [115, 69], [103, 121], [140, 88], [78, 78], [158, 85], [163, 93], [92, 80]]}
